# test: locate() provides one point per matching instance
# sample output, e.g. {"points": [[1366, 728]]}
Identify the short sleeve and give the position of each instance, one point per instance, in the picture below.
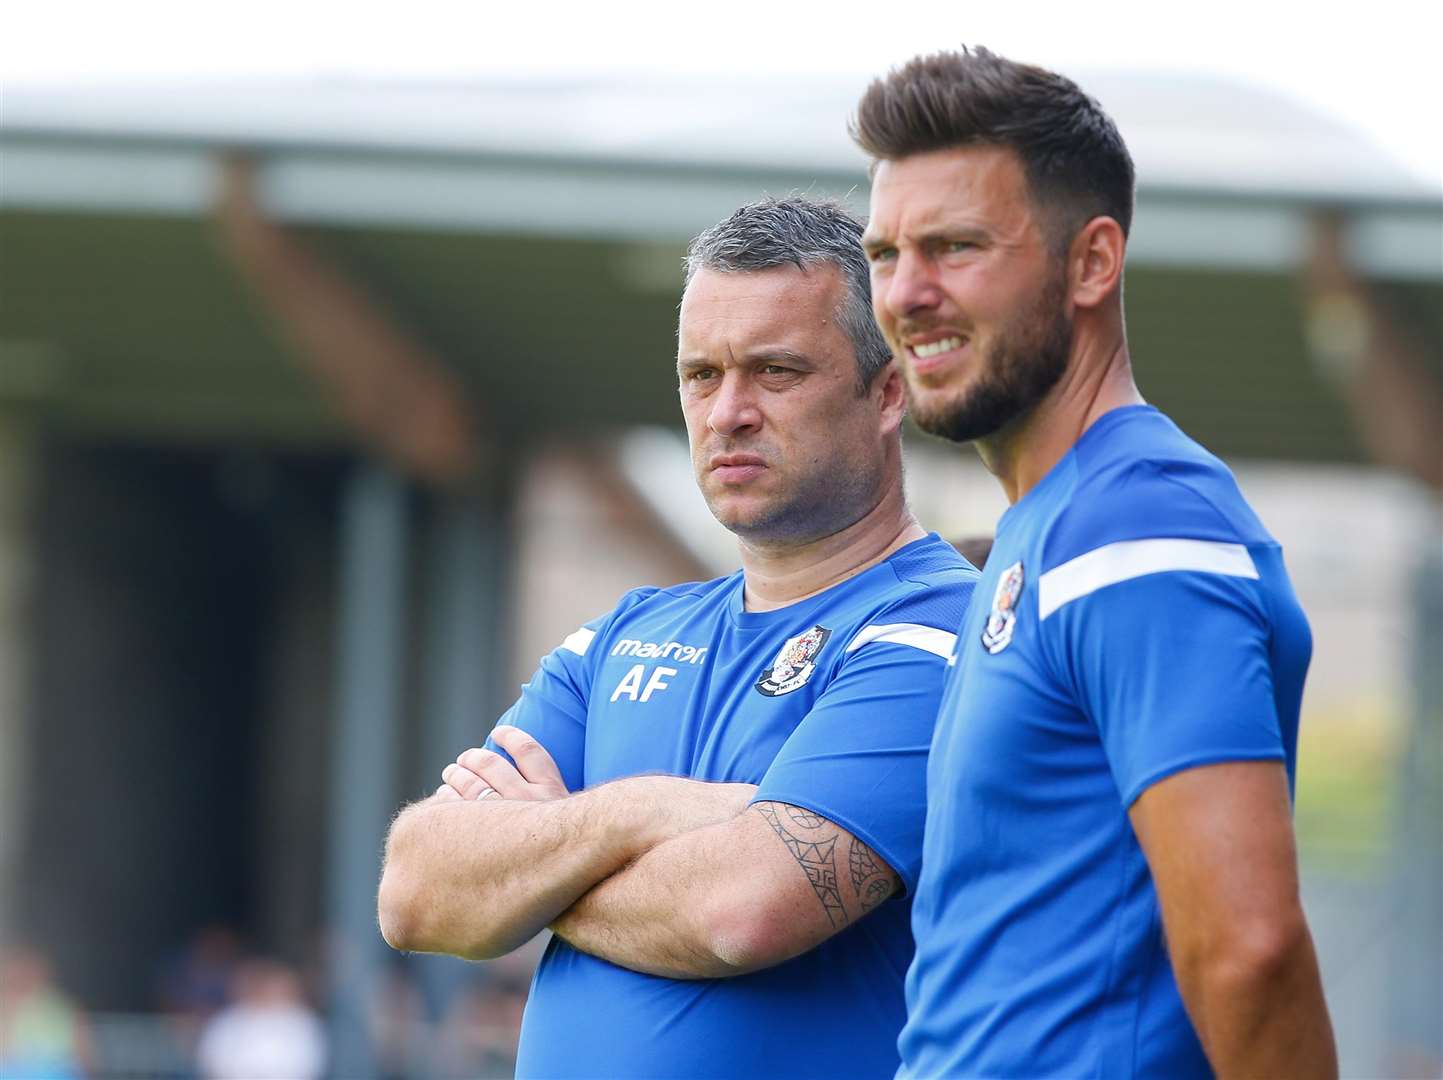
{"points": [[859, 757], [552, 706], [1174, 670]]}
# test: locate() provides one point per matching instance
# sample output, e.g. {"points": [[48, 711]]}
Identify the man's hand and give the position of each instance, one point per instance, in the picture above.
{"points": [[500, 850], [478, 773]]}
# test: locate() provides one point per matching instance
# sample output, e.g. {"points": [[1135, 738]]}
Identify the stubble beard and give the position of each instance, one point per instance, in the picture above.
{"points": [[1019, 369], [815, 507]]}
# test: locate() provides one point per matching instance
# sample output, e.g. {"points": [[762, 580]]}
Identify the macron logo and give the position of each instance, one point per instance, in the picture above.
{"points": [[651, 650]]}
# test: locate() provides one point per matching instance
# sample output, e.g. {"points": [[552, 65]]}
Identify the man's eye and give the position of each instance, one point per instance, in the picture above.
{"points": [[885, 254], [699, 375], [776, 369], [959, 245]]}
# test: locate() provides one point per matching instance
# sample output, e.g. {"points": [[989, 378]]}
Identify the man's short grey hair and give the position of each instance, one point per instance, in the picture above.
{"points": [[801, 232]]}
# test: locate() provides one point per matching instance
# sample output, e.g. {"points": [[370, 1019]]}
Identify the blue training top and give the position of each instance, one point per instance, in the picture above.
{"points": [[1134, 620], [827, 704]]}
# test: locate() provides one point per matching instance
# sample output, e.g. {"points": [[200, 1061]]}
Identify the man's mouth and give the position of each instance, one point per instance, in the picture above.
{"points": [[927, 350], [736, 468], [934, 352]]}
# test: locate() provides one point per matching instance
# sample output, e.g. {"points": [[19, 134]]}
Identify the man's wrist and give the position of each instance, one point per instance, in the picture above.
{"points": [[642, 811]]}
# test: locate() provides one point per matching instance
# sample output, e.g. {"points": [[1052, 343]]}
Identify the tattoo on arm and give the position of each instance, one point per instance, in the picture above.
{"points": [[872, 880], [817, 856]]}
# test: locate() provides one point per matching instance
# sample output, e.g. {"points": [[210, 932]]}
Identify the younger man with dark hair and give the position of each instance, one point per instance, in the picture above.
{"points": [[1115, 751]]}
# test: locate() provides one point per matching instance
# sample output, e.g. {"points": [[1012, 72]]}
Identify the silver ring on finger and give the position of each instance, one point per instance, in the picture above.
{"points": [[487, 793]]}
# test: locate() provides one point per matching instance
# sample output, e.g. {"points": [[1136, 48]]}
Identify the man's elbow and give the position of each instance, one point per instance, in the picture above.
{"points": [[1254, 956], [746, 935], [412, 909], [398, 911], [397, 896], [412, 920]]}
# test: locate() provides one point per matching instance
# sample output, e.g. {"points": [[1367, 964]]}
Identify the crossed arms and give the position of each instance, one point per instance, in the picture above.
{"points": [[660, 874]]}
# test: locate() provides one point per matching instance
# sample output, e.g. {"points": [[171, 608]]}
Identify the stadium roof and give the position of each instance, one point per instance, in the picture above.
{"points": [[1189, 132], [652, 159], [117, 302]]}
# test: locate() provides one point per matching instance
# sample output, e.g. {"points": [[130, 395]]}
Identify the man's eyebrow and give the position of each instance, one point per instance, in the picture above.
{"points": [[931, 234], [686, 370], [786, 356], [954, 230], [756, 358]]}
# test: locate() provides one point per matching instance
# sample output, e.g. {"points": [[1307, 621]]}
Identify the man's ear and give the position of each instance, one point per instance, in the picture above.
{"points": [[1095, 262], [891, 392]]}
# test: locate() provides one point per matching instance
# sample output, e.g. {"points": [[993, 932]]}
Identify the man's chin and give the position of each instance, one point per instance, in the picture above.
{"points": [[737, 515], [762, 523], [959, 422], [938, 409]]}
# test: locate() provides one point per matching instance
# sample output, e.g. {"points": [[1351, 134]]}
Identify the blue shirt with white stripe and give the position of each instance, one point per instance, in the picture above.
{"points": [[827, 704], [1134, 620]]}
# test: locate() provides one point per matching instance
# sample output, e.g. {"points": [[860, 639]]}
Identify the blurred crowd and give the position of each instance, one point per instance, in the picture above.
{"points": [[224, 1012], [43, 1033]]}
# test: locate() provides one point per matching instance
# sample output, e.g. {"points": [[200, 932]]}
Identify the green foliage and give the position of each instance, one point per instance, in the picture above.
{"points": [[1347, 764]]}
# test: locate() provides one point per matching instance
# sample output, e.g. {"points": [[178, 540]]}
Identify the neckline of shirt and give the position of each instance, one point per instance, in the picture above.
{"points": [[1064, 465], [758, 620]]}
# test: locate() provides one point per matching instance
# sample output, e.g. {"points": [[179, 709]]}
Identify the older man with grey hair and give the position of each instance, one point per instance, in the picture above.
{"points": [[714, 793]]}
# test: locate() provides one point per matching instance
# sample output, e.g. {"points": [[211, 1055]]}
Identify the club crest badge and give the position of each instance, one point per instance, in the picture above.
{"points": [[1002, 619], [794, 664]]}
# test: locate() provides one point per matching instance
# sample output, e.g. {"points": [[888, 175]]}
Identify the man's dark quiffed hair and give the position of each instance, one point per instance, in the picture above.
{"points": [[801, 232], [1076, 164]]}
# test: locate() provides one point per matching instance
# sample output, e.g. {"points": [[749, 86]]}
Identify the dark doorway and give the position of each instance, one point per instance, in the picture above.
{"points": [[183, 611]]}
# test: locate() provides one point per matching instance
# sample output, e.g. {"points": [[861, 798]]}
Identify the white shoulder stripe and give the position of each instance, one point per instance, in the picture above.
{"points": [[927, 638], [579, 641], [1129, 559]]}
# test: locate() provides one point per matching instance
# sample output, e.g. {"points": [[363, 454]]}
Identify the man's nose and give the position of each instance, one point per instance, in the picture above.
{"points": [[734, 408], [912, 286]]}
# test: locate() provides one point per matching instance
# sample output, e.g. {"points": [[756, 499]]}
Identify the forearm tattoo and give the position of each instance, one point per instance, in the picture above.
{"points": [[816, 855]]}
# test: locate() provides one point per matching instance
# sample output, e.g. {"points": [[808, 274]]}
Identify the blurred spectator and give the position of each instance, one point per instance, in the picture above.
{"points": [[195, 982], [482, 1028], [43, 1035], [268, 1033], [396, 1017]]}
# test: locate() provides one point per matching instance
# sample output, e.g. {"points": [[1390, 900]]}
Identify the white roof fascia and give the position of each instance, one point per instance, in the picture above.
{"points": [[641, 200]]}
